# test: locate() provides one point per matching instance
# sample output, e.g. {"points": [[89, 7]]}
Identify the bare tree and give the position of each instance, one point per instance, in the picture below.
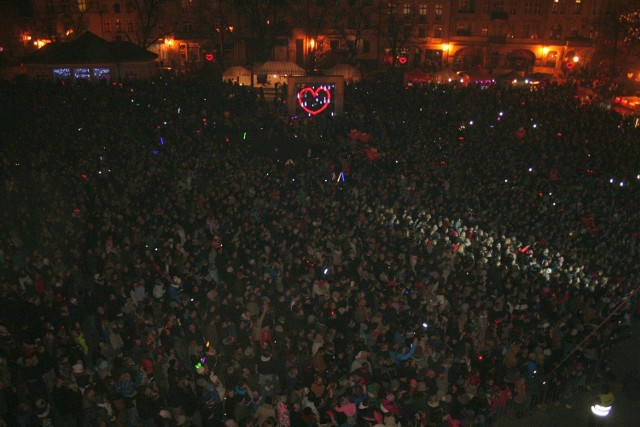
{"points": [[261, 25], [353, 20], [396, 26], [155, 19]]}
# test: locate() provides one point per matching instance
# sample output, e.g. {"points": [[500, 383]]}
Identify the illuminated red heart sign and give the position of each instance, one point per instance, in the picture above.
{"points": [[209, 56], [314, 101], [402, 59]]}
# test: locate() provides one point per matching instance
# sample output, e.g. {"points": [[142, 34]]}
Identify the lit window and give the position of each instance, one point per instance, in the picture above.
{"points": [[107, 26], [439, 11], [82, 73], [82, 5], [406, 9], [118, 25], [422, 10]]}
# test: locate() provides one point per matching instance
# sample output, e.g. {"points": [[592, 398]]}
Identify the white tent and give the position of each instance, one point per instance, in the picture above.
{"points": [[280, 68], [348, 72], [276, 72], [237, 74]]}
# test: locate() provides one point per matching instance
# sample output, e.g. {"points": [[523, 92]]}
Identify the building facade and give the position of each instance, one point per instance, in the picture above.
{"points": [[545, 36]]}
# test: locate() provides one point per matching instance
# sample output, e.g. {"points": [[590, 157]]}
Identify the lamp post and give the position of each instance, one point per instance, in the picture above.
{"points": [[445, 49], [312, 56]]}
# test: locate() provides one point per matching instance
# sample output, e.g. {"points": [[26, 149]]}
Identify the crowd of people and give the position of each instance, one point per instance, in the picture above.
{"points": [[177, 252]]}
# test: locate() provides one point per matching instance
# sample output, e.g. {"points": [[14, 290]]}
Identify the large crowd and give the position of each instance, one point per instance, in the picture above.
{"points": [[179, 252]]}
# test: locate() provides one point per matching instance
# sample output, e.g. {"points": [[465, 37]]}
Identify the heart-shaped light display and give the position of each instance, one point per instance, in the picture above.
{"points": [[402, 60], [209, 56], [311, 101]]}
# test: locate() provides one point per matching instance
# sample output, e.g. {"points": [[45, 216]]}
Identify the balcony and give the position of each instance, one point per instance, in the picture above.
{"points": [[497, 39]]}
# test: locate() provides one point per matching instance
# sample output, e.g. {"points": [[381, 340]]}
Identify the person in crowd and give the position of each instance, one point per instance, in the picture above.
{"points": [[176, 252]]}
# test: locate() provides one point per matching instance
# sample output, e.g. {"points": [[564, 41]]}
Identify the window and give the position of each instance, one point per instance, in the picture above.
{"points": [[101, 73], [422, 10], [578, 7], [484, 31], [335, 45], [118, 25], [391, 9], [532, 7], [130, 27], [406, 9], [187, 5], [512, 7], [82, 6], [106, 25], [187, 26], [406, 31], [116, 8], [559, 7], [552, 57], [556, 31], [467, 6], [531, 31], [463, 29], [437, 32], [422, 31], [61, 73], [439, 12], [193, 52], [82, 73], [366, 46], [50, 6]]}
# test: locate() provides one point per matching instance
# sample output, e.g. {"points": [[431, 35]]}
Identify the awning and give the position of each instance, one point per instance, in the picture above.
{"points": [[280, 69]]}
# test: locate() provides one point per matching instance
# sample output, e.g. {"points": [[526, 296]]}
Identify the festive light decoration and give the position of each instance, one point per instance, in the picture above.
{"points": [[312, 102]]}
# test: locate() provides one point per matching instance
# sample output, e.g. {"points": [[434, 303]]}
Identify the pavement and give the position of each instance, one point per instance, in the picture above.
{"points": [[575, 411]]}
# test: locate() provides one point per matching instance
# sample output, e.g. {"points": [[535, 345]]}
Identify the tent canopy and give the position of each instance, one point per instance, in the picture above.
{"points": [[416, 76], [236, 71], [280, 69], [88, 48]]}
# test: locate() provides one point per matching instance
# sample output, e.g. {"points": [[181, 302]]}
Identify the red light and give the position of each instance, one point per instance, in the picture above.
{"points": [[480, 358], [443, 163], [307, 92], [570, 65], [559, 134], [333, 313], [402, 60], [589, 170], [461, 138], [204, 120], [209, 57], [227, 140], [76, 211], [84, 176]]}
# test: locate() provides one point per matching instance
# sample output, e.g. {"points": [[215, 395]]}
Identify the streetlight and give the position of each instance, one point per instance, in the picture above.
{"points": [[312, 55], [445, 48]]}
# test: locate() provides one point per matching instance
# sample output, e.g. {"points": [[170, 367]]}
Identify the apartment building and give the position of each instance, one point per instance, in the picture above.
{"points": [[549, 36]]}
